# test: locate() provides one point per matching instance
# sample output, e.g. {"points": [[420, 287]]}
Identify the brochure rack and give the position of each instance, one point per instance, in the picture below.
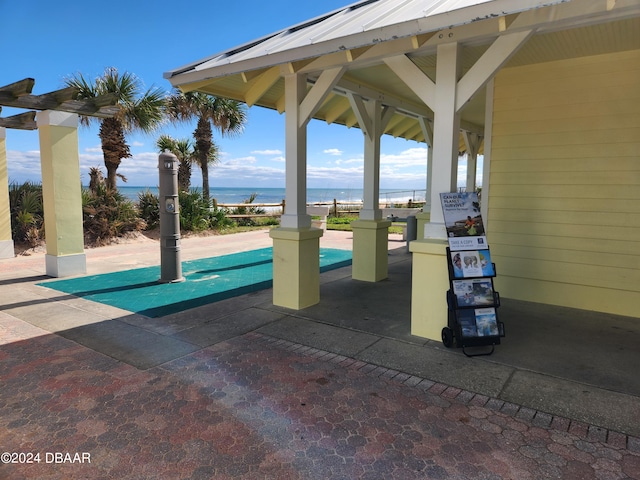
{"points": [[472, 300]]}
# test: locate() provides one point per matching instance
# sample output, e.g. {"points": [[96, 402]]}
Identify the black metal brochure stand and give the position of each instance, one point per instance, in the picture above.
{"points": [[472, 303]]}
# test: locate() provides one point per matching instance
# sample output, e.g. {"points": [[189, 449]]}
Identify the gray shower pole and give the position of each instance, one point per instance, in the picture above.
{"points": [[170, 265]]}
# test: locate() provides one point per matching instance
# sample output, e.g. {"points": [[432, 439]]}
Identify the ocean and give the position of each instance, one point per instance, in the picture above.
{"points": [[276, 195]]}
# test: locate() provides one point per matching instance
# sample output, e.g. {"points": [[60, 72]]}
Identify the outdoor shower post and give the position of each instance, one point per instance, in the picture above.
{"points": [[170, 265]]}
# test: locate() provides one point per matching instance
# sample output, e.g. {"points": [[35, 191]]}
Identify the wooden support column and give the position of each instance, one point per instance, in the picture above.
{"points": [[295, 215], [371, 231], [296, 244], [62, 195], [6, 240], [424, 217], [446, 97], [472, 142]]}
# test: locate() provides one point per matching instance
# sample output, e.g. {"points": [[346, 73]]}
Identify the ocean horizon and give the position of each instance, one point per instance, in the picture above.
{"points": [[231, 195]]}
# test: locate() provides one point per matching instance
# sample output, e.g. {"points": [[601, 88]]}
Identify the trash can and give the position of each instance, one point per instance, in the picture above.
{"points": [[412, 229]]}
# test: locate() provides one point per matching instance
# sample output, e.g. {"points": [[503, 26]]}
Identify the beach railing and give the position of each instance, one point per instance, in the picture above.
{"points": [[335, 207]]}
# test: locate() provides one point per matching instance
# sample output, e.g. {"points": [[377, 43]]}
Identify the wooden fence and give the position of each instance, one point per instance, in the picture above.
{"points": [[277, 209]]}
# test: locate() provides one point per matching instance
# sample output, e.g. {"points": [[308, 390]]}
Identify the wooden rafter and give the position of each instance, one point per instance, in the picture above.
{"points": [[22, 121], [18, 95]]}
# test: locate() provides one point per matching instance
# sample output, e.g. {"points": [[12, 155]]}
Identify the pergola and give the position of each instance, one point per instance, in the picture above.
{"points": [[415, 69], [55, 115]]}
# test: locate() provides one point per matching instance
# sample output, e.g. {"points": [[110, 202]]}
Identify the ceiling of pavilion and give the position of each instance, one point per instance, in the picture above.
{"points": [[253, 73]]}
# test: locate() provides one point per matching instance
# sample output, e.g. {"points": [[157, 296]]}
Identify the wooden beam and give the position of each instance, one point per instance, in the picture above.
{"points": [[486, 66], [360, 111], [62, 100], [318, 93], [415, 79], [261, 85], [22, 121], [18, 89]]}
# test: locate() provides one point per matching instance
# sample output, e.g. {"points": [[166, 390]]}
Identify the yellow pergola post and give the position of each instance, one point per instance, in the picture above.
{"points": [[370, 250], [62, 193], [429, 285], [296, 267], [6, 241]]}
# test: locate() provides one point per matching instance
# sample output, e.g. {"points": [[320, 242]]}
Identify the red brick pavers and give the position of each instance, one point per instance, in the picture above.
{"points": [[255, 407]]}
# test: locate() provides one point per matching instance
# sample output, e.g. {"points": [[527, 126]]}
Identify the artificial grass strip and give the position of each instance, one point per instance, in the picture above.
{"points": [[207, 281]]}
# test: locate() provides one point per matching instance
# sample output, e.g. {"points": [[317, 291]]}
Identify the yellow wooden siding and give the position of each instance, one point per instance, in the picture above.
{"points": [[564, 210]]}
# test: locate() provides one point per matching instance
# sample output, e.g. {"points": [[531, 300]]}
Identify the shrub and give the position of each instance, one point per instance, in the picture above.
{"points": [[107, 214], [248, 210], [27, 213], [194, 211], [149, 209]]}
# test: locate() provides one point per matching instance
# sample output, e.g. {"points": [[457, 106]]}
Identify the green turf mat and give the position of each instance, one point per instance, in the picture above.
{"points": [[206, 281]]}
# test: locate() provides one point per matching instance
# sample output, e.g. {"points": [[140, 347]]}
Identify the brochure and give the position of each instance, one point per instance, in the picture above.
{"points": [[463, 222], [472, 263], [487, 322], [479, 322], [477, 292]]}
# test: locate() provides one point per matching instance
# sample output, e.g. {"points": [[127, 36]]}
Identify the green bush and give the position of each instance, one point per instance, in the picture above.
{"points": [[149, 209], [194, 211], [108, 214], [248, 210], [196, 214], [27, 213]]}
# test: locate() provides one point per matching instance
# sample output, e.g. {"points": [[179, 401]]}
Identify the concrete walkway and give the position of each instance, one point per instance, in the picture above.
{"points": [[243, 389]]}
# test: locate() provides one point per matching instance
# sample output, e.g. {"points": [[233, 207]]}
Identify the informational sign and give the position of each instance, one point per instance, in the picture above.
{"points": [[463, 222], [472, 263]]}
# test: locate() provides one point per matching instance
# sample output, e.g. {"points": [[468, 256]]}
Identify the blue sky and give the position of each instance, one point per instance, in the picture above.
{"points": [[49, 41]]}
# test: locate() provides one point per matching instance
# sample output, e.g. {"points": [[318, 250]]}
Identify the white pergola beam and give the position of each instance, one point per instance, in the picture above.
{"points": [[360, 110], [415, 78], [262, 85], [488, 65], [318, 93]]}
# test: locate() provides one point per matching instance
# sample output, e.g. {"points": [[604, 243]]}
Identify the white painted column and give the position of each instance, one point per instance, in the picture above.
{"points": [[62, 193], [6, 240], [446, 135], [296, 155], [486, 162], [296, 245], [429, 273], [371, 191], [370, 231], [424, 217], [472, 142]]}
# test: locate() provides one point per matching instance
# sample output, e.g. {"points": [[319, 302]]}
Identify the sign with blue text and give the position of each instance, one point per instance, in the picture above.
{"points": [[463, 222]]}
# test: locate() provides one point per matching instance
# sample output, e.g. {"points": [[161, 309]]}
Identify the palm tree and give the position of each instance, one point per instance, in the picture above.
{"points": [[139, 111], [228, 116], [183, 149]]}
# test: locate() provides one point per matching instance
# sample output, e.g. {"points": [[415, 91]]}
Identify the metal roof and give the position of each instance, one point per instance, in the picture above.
{"points": [[360, 36]]}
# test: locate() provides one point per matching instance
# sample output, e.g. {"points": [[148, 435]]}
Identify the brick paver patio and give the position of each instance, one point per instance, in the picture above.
{"points": [[256, 407]]}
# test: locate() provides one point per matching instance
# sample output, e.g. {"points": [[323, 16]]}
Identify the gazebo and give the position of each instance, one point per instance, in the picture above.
{"points": [[548, 89]]}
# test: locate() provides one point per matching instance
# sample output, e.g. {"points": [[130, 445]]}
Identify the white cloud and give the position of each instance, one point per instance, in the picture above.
{"points": [[266, 152], [412, 157], [280, 159], [23, 166], [333, 151], [240, 161], [97, 149], [137, 144], [358, 161]]}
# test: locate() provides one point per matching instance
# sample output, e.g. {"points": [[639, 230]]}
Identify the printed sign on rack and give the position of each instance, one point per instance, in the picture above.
{"points": [[472, 263], [463, 222]]}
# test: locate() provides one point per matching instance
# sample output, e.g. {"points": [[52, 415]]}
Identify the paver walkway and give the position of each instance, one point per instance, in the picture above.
{"points": [[242, 403], [256, 407]]}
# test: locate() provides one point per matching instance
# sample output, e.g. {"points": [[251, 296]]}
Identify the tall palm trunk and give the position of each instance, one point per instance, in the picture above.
{"points": [[184, 176], [114, 148], [204, 141]]}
